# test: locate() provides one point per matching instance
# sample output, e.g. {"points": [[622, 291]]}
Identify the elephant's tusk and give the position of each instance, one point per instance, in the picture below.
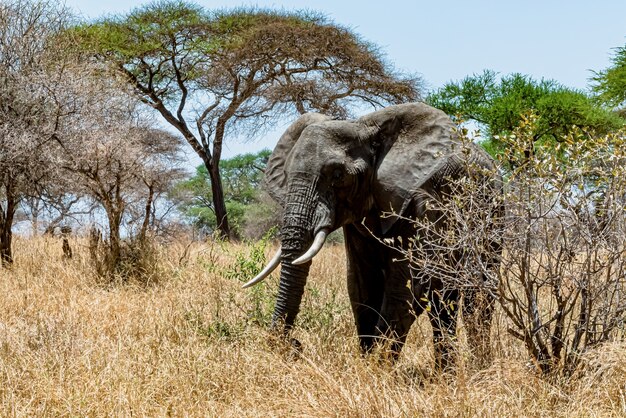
{"points": [[274, 262], [317, 245]]}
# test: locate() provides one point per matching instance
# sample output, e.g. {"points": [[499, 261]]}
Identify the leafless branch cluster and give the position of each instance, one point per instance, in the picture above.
{"points": [[562, 276], [563, 282], [29, 113], [72, 140]]}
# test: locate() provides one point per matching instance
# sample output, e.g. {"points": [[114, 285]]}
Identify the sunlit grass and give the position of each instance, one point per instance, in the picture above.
{"points": [[195, 344]]}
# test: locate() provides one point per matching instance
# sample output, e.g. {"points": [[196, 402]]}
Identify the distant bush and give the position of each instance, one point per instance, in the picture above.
{"points": [[261, 217], [138, 260]]}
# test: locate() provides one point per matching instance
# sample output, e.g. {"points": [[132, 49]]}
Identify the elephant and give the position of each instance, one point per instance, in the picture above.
{"points": [[327, 173]]}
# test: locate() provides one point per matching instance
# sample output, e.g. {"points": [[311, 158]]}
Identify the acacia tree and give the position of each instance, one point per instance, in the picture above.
{"points": [[207, 73], [610, 84], [32, 70], [499, 104]]}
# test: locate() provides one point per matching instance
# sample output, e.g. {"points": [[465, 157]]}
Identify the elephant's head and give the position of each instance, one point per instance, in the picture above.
{"points": [[328, 173]]}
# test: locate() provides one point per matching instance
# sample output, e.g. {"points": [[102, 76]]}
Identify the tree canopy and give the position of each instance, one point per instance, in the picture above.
{"points": [[498, 105], [610, 84], [209, 73]]}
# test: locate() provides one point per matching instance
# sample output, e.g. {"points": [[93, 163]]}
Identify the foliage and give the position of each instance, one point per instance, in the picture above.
{"points": [[210, 73], [320, 309], [497, 105], [610, 84], [261, 217], [241, 176], [248, 264]]}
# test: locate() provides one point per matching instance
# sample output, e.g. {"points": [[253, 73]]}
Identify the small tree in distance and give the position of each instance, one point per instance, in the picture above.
{"points": [[242, 177], [210, 73], [123, 168]]}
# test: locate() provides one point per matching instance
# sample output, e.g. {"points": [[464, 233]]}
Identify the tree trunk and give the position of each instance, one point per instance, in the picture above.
{"points": [[146, 219], [66, 231], [6, 223], [115, 242], [114, 213], [219, 204], [34, 206], [5, 244]]}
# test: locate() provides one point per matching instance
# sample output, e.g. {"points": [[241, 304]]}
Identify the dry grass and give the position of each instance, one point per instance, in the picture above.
{"points": [[190, 345]]}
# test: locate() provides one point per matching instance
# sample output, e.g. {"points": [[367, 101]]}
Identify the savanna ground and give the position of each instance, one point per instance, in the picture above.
{"points": [[193, 343]]}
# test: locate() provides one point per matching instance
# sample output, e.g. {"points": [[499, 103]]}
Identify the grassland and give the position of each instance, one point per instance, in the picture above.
{"points": [[193, 343]]}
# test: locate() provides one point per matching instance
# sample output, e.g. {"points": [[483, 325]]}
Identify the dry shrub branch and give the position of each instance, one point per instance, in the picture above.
{"points": [[561, 277]]}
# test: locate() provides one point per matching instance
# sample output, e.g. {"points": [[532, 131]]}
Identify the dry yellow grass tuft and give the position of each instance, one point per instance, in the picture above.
{"points": [[194, 344]]}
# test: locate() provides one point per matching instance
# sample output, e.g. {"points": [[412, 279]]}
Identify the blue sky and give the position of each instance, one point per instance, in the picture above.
{"points": [[448, 40]]}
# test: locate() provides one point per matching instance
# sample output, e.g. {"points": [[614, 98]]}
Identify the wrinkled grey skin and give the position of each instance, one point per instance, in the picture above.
{"points": [[344, 174]]}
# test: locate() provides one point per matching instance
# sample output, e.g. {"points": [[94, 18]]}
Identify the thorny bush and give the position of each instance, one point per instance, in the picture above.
{"points": [[561, 281]]}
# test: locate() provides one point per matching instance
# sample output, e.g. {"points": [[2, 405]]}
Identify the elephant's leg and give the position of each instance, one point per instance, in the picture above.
{"points": [[365, 283], [478, 307], [397, 314], [442, 312]]}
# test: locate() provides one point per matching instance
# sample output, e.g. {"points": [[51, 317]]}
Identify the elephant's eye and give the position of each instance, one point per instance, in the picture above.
{"points": [[339, 178], [338, 174]]}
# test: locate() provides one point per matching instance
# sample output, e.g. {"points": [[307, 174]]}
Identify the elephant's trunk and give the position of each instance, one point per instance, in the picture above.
{"points": [[296, 236], [290, 291]]}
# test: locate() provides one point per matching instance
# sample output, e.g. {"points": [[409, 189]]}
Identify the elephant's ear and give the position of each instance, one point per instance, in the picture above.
{"points": [[412, 142], [275, 179]]}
